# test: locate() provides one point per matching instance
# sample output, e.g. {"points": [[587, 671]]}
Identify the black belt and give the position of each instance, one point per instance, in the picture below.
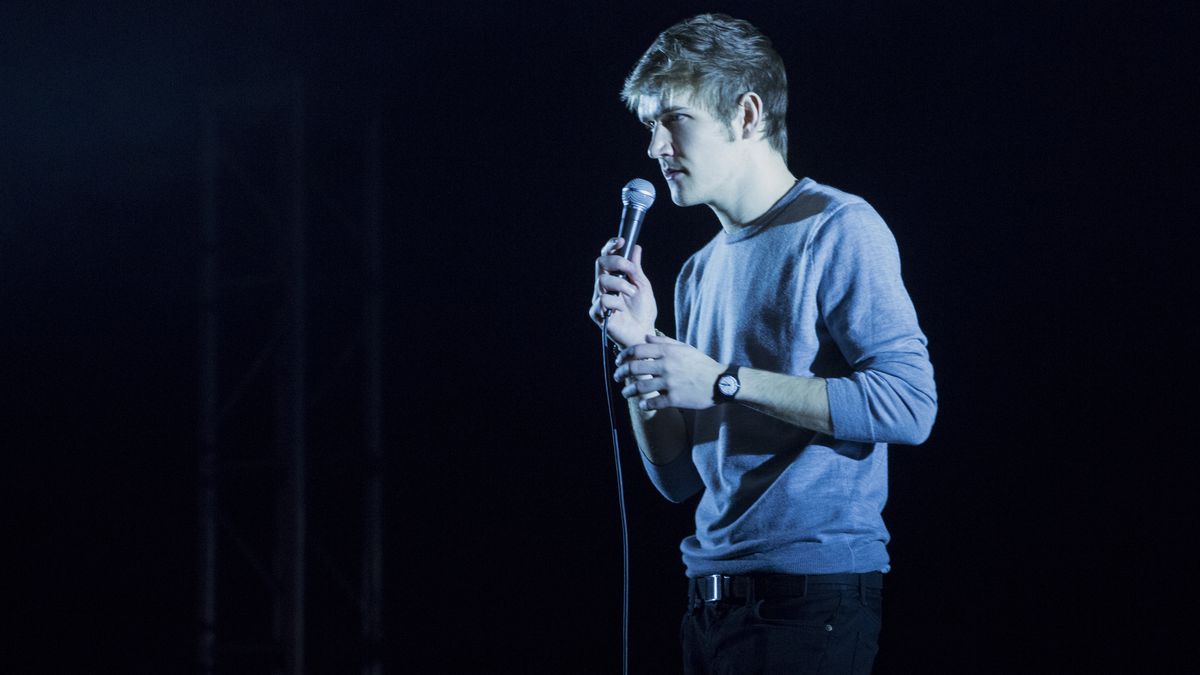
{"points": [[723, 587]]}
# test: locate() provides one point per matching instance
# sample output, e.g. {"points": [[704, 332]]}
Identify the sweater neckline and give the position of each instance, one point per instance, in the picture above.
{"points": [[762, 222]]}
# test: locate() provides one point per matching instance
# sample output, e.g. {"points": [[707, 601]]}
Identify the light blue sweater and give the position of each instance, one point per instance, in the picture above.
{"points": [[810, 288]]}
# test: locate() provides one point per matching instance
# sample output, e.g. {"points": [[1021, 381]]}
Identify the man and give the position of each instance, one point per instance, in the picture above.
{"points": [[798, 359]]}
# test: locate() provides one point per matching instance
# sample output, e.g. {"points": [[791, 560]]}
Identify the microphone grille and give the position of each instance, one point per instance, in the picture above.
{"points": [[638, 193]]}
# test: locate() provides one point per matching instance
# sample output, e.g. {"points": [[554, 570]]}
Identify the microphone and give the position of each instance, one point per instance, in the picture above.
{"points": [[636, 197]]}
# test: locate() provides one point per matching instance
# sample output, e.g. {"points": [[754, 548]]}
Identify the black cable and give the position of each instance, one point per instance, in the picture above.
{"points": [[612, 421]]}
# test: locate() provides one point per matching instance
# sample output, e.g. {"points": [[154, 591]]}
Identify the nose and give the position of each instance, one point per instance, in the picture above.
{"points": [[660, 143]]}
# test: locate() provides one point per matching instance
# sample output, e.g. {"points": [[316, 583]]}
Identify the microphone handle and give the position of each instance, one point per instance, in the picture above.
{"points": [[631, 226]]}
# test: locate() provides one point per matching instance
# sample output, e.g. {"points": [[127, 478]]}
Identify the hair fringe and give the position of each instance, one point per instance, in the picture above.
{"points": [[715, 59]]}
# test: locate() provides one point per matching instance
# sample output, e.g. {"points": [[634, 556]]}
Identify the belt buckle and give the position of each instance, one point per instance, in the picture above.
{"points": [[712, 587]]}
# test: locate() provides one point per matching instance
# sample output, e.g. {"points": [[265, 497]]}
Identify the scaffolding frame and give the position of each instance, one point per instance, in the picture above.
{"points": [[280, 367]]}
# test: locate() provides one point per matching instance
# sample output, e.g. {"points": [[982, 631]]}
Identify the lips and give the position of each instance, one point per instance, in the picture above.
{"points": [[671, 174]]}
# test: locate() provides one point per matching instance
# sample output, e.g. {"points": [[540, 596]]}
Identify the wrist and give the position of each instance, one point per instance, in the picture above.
{"points": [[618, 347]]}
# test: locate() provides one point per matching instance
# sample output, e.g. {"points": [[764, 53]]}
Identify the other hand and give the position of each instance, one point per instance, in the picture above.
{"points": [[682, 375]]}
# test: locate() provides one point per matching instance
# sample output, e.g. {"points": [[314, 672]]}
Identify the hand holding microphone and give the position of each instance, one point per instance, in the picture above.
{"points": [[621, 290]]}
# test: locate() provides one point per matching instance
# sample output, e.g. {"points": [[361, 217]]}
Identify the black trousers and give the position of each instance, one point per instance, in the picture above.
{"points": [[816, 628]]}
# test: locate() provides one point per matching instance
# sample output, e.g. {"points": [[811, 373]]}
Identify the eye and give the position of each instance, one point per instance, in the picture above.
{"points": [[668, 119]]}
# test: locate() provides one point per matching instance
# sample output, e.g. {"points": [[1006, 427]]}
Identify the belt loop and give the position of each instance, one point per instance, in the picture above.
{"points": [[862, 588]]}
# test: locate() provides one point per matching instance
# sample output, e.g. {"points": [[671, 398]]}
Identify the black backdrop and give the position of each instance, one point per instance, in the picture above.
{"points": [[1035, 161]]}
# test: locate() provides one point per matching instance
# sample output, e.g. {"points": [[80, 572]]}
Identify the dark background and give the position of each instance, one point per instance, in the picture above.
{"points": [[1036, 162]]}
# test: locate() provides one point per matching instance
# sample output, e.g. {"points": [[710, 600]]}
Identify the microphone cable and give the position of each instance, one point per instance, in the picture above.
{"points": [[612, 421]]}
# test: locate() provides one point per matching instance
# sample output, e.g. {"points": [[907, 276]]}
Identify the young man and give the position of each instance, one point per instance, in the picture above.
{"points": [[798, 359]]}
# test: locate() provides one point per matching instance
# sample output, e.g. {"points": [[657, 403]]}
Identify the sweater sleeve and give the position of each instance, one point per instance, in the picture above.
{"points": [[890, 396], [677, 480]]}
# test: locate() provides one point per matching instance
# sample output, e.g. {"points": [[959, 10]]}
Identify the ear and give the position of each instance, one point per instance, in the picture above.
{"points": [[749, 119]]}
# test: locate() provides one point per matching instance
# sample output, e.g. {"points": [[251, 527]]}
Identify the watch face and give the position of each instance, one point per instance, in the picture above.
{"points": [[728, 385]]}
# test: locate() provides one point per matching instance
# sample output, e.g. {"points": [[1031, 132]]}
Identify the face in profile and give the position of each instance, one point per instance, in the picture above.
{"points": [[696, 153]]}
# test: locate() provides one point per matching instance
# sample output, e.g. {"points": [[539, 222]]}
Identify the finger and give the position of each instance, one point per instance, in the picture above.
{"points": [[596, 312], [607, 250], [624, 372], [641, 367], [611, 245], [614, 302], [640, 351], [643, 387], [655, 402], [609, 283], [621, 373], [615, 264], [605, 305]]}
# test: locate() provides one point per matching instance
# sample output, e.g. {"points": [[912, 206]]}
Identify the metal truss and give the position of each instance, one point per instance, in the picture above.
{"points": [[280, 381]]}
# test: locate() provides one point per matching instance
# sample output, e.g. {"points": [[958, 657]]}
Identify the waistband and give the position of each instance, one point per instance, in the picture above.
{"points": [[751, 587]]}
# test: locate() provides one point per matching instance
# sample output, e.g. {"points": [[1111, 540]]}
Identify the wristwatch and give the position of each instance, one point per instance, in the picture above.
{"points": [[727, 385]]}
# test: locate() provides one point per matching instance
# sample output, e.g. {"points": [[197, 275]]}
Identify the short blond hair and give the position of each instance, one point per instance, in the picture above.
{"points": [[715, 59]]}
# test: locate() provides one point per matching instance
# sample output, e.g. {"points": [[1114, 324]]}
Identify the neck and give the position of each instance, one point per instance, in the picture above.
{"points": [[764, 181]]}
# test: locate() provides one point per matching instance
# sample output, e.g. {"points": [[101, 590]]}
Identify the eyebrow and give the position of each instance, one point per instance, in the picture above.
{"points": [[663, 111]]}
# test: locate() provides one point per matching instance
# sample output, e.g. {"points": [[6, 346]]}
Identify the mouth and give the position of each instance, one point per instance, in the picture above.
{"points": [[671, 174]]}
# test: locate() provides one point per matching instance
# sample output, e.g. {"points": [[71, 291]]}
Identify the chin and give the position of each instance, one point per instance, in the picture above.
{"points": [[679, 197]]}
